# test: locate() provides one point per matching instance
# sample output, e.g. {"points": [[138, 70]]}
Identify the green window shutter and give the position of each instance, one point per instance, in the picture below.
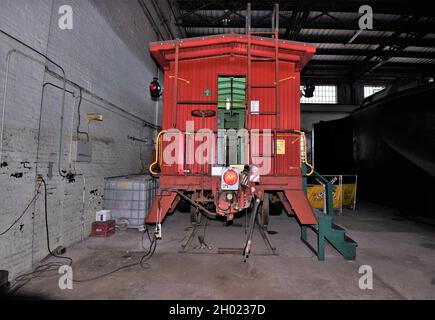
{"points": [[234, 89]]}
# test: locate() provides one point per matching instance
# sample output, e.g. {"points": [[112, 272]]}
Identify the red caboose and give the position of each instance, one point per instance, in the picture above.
{"points": [[238, 95], [231, 140]]}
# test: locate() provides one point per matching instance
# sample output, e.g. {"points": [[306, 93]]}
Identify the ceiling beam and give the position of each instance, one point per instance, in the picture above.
{"points": [[334, 64], [187, 13], [177, 16], [398, 7], [369, 65], [339, 39], [292, 22], [363, 39], [336, 70], [322, 24], [355, 52], [296, 20]]}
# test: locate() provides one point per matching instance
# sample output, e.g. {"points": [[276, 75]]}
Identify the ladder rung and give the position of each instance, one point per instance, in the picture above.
{"points": [[198, 102], [265, 86], [263, 60], [263, 113]]}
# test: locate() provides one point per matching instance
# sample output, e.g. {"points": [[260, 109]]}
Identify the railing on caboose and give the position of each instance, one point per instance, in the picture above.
{"points": [[284, 151]]}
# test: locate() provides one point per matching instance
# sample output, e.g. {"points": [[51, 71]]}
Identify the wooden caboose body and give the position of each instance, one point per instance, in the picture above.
{"points": [[214, 88]]}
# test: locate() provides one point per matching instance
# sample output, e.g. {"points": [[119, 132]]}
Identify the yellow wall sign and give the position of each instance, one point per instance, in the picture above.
{"points": [[280, 146]]}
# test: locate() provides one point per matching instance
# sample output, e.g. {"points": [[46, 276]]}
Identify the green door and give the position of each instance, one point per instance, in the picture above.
{"points": [[231, 115], [231, 119]]}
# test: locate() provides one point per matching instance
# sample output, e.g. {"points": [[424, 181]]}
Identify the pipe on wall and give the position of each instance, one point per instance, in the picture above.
{"points": [[112, 105], [62, 77], [37, 155], [75, 105], [64, 80], [73, 112], [46, 65], [44, 86]]}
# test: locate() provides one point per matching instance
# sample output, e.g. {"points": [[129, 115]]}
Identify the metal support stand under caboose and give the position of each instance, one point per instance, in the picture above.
{"points": [[257, 215], [325, 230]]}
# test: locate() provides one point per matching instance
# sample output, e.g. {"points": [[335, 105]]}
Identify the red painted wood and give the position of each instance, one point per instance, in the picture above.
{"points": [[163, 202], [301, 206], [200, 62]]}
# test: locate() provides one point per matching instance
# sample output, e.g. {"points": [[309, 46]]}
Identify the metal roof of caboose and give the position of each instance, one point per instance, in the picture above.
{"points": [[231, 44]]}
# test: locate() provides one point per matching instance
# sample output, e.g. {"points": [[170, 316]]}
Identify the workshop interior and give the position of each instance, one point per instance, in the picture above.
{"points": [[217, 150]]}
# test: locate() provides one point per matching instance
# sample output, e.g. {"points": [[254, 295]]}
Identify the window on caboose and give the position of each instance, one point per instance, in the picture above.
{"points": [[322, 94], [231, 102], [231, 116]]}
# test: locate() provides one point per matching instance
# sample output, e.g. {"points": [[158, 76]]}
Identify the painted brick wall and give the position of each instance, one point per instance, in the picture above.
{"points": [[106, 53]]}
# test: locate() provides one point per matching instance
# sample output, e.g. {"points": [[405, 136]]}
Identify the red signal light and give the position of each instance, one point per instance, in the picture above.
{"points": [[155, 89], [231, 177]]}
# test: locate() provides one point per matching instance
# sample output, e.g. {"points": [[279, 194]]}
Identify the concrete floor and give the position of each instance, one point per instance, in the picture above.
{"points": [[401, 253]]}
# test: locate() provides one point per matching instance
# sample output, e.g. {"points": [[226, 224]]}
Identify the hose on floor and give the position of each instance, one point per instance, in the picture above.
{"points": [[143, 260], [50, 269]]}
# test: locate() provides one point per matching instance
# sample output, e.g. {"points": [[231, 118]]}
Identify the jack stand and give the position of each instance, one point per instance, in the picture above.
{"points": [[248, 244], [267, 240]]}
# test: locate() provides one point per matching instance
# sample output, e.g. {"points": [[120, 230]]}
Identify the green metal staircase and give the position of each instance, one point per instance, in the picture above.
{"points": [[326, 229]]}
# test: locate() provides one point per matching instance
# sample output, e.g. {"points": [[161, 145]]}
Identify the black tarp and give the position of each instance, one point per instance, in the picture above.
{"points": [[333, 147], [393, 139]]}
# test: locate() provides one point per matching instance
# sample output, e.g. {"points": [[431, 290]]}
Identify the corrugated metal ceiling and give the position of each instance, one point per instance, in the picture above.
{"points": [[397, 37]]}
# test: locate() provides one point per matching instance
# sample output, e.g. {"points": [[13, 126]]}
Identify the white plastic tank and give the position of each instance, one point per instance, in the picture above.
{"points": [[130, 198]]}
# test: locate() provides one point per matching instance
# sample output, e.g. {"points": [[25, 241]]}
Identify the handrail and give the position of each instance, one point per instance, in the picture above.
{"points": [[158, 147], [304, 156], [329, 187]]}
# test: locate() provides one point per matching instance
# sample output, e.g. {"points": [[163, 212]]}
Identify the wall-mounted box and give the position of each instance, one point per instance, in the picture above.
{"points": [[83, 151]]}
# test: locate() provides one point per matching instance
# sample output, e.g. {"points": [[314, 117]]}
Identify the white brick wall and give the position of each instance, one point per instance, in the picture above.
{"points": [[106, 52]]}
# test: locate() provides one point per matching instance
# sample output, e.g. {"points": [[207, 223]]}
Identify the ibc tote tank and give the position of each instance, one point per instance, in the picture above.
{"points": [[129, 198]]}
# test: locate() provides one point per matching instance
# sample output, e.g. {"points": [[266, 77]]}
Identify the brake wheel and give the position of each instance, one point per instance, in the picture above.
{"points": [[203, 113]]}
